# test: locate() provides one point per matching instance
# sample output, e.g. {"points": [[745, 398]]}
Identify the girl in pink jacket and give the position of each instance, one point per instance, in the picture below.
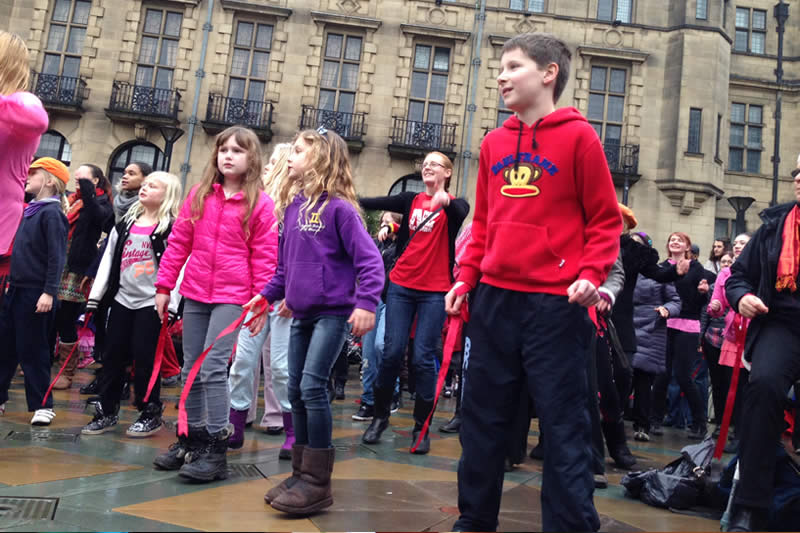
{"points": [[24, 120], [228, 232]]}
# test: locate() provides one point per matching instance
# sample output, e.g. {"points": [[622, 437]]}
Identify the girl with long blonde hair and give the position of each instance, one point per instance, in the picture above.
{"points": [[125, 284], [24, 120], [226, 236], [331, 275]]}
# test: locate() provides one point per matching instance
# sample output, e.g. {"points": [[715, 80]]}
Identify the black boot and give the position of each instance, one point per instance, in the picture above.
{"points": [[380, 419], [92, 387], [747, 519], [175, 456], [421, 411], [210, 462], [453, 425], [614, 433]]}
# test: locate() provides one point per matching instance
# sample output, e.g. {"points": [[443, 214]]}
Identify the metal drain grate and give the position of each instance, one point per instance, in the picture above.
{"points": [[244, 471], [42, 436], [27, 508]]}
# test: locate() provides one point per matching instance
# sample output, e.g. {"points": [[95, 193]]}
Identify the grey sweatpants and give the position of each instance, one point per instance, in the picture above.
{"points": [[207, 404]]}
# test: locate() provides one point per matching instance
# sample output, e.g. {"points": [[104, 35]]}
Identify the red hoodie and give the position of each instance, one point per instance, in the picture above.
{"points": [[551, 222]]}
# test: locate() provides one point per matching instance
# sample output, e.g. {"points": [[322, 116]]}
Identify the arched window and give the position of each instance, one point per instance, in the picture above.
{"points": [[408, 183], [131, 152], [54, 145]]}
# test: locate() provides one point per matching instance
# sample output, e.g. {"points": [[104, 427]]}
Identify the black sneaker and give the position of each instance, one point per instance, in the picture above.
{"points": [[365, 412], [147, 424], [656, 429], [339, 391], [395, 406], [100, 423]]}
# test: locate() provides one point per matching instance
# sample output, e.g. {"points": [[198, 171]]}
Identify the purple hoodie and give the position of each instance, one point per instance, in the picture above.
{"points": [[328, 265]]}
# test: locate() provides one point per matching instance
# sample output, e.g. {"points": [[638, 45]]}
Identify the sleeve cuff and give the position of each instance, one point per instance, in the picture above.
{"points": [[366, 305], [163, 290], [607, 295], [469, 276]]}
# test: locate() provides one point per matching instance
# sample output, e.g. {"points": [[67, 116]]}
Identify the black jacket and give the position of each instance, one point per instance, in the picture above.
{"points": [[692, 301], [456, 212], [756, 269], [97, 216], [40, 249]]}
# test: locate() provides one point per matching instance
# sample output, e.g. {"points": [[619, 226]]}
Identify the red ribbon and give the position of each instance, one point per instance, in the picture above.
{"points": [[455, 323], [83, 329], [741, 334], [163, 338], [183, 421]]}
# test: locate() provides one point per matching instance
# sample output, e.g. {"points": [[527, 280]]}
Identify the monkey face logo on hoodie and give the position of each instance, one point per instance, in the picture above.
{"points": [[520, 181]]}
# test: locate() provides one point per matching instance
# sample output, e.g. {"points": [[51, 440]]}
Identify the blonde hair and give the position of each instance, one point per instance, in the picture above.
{"points": [[170, 205], [274, 178], [14, 68], [328, 171], [251, 185], [56, 184]]}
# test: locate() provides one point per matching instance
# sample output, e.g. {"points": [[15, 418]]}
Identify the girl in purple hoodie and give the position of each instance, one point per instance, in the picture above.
{"points": [[331, 275]]}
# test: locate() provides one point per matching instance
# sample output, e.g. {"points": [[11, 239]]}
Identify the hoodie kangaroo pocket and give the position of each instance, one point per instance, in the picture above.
{"points": [[519, 251], [305, 286]]}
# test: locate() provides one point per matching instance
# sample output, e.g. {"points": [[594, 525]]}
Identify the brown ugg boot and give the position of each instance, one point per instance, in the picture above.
{"points": [[286, 484], [65, 379], [312, 492]]}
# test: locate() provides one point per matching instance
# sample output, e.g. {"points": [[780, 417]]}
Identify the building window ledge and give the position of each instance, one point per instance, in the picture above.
{"points": [[345, 20], [428, 31], [633, 56], [697, 155], [688, 196]]}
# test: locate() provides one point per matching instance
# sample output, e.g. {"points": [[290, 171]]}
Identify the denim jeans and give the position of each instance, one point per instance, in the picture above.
{"points": [[314, 346], [372, 352], [402, 305]]}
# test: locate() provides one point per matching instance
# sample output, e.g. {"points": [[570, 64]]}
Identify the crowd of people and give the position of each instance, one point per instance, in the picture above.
{"points": [[572, 318]]}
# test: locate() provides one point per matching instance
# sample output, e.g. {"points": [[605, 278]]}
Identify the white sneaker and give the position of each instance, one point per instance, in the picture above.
{"points": [[43, 417], [2, 408]]}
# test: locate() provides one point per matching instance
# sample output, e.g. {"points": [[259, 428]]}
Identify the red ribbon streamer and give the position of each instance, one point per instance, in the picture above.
{"points": [[85, 327], [163, 337], [455, 324], [741, 334], [183, 421]]}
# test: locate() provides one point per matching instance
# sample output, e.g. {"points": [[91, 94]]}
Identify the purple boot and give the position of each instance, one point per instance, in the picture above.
{"points": [[286, 449], [238, 419]]}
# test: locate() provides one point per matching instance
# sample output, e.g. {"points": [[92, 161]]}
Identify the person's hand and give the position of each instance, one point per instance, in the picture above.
{"points": [[256, 322], [603, 306], [283, 311], [702, 287], [162, 303], [441, 198], [362, 321], [45, 303], [384, 233], [715, 306], [85, 283], [683, 266], [453, 300], [663, 311], [750, 306], [583, 292]]}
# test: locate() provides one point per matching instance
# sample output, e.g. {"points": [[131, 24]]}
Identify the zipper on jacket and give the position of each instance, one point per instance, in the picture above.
{"points": [[216, 246]]}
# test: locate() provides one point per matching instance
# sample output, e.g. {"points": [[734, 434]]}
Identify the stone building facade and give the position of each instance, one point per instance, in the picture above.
{"points": [[682, 93]]}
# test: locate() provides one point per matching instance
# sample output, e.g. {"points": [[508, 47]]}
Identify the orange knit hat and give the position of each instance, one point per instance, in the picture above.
{"points": [[627, 216], [54, 167]]}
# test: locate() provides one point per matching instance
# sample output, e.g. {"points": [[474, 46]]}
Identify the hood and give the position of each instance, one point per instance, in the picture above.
{"points": [[775, 214]]}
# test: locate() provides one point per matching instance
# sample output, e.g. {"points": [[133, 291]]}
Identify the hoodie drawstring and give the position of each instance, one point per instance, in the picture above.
{"points": [[534, 144]]}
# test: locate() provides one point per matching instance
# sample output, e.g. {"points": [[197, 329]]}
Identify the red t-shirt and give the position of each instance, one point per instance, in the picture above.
{"points": [[424, 265]]}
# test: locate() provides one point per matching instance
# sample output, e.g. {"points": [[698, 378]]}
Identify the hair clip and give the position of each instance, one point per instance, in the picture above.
{"points": [[322, 130]]}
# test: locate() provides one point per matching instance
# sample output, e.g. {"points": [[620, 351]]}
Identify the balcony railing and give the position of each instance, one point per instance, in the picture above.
{"points": [[56, 90], [349, 126], [251, 113], [416, 138], [143, 101], [622, 158]]}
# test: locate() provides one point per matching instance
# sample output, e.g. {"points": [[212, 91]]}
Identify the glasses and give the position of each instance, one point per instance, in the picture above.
{"points": [[795, 172], [432, 164]]}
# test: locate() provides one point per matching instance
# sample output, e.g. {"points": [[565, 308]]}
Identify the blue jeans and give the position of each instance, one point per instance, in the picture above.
{"points": [[402, 305], [372, 351], [314, 346]]}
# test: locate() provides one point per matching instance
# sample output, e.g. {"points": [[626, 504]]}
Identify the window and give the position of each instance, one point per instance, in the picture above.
{"points": [[701, 11], [502, 112], [408, 183], [534, 6], [54, 145], [62, 56], [744, 153], [340, 68], [695, 130], [429, 84], [751, 28], [719, 133], [131, 152], [723, 228], [607, 102], [250, 62], [621, 10], [159, 48]]}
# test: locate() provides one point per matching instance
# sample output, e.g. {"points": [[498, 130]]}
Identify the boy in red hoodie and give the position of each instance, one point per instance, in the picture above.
{"points": [[544, 236]]}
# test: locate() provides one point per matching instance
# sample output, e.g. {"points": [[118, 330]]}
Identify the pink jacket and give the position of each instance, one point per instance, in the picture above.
{"points": [[726, 309], [224, 266], [23, 120]]}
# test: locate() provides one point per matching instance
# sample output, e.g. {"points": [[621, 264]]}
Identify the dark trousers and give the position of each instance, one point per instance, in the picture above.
{"points": [[132, 338], [720, 380], [642, 398], [776, 365], [681, 354], [67, 321], [613, 381], [598, 444], [340, 368], [23, 340], [513, 336], [741, 389]]}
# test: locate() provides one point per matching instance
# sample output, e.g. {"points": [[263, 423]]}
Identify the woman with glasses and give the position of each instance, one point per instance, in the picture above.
{"points": [[421, 276]]}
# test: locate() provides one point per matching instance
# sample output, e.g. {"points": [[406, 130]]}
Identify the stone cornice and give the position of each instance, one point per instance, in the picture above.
{"points": [[252, 7], [345, 20], [434, 31], [634, 56], [689, 196]]}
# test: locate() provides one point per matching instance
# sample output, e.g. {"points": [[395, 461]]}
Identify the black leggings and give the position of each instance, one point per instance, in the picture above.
{"points": [[642, 398], [720, 380], [67, 320], [613, 381], [681, 353]]}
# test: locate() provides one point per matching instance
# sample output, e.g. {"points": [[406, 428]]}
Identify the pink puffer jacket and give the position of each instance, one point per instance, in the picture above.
{"points": [[224, 266]]}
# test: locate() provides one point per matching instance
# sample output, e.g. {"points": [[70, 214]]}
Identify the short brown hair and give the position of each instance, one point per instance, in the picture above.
{"points": [[544, 48], [685, 238]]}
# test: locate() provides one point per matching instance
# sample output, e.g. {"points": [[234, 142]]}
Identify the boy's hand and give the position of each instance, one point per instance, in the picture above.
{"points": [[162, 302], [362, 321], [453, 300], [750, 306], [45, 303], [583, 292]]}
